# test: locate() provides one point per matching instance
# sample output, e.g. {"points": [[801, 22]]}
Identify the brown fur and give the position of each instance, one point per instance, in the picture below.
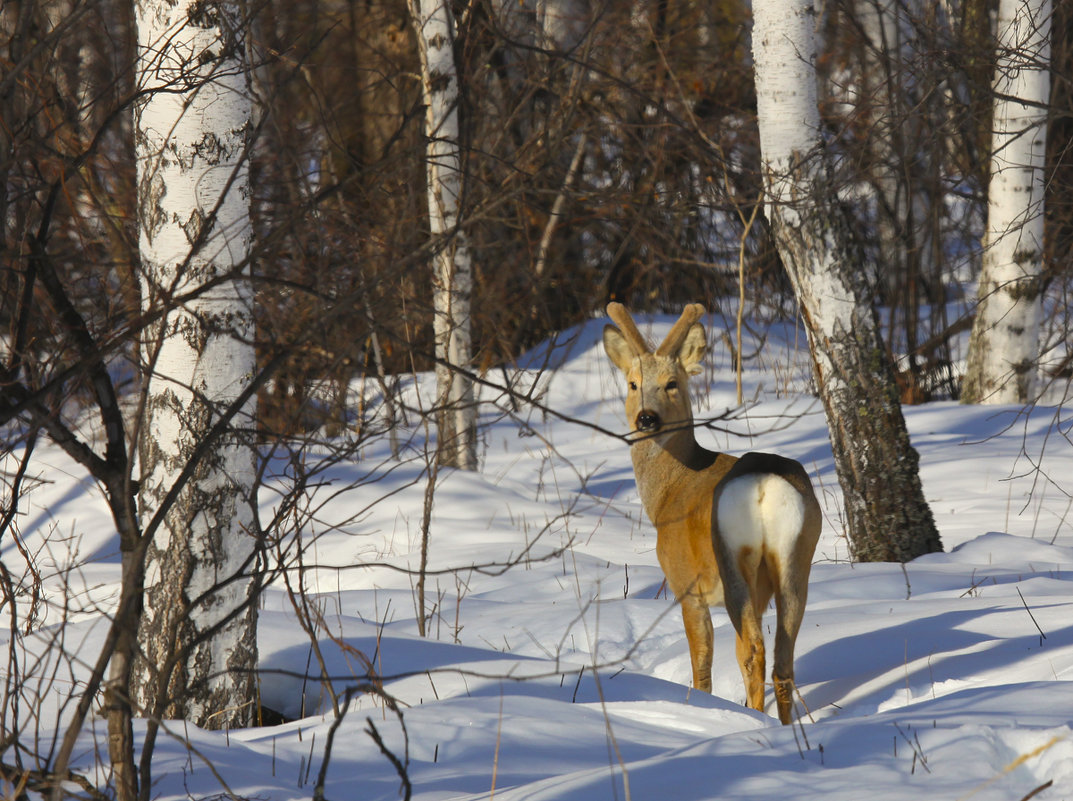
{"points": [[679, 482]]}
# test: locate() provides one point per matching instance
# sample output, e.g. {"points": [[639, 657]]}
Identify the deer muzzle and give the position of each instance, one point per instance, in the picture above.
{"points": [[648, 421]]}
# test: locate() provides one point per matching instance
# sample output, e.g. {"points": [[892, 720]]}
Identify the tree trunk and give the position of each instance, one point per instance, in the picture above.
{"points": [[452, 274], [1004, 345], [197, 635], [887, 518]]}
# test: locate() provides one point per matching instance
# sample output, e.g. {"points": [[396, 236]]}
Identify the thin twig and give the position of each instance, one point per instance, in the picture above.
{"points": [[400, 767], [1042, 636], [557, 207], [1038, 790], [495, 757]]}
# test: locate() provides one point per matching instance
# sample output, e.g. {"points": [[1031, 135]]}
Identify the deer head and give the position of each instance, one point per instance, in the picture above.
{"points": [[657, 397]]}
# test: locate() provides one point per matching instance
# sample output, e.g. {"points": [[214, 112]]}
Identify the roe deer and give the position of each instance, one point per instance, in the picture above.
{"points": [[728, 530]]}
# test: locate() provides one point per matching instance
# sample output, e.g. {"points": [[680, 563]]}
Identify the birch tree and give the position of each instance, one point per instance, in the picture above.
{"points": [[197, 634], [452, 269], [887, 518], [1004, 345]]}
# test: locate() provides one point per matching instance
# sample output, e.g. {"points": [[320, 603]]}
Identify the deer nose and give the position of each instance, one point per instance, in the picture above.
{"points": [[647, 421]]}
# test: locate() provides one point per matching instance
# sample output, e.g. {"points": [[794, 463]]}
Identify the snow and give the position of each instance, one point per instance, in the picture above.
{"points": [[565, 675]]}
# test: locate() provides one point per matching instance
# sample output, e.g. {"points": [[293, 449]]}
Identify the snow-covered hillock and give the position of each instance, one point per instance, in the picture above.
{"points": [[555, 665]]}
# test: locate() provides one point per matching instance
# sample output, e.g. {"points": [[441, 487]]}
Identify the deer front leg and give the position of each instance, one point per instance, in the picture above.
{"points": [[698, 623]]}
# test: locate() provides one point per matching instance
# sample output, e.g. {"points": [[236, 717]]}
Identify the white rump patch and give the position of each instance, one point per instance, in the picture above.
{"points": [[761, 509]]}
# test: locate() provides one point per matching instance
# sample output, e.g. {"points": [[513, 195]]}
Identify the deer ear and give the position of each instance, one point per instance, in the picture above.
{"points": [[618, 349], [693, 350]]}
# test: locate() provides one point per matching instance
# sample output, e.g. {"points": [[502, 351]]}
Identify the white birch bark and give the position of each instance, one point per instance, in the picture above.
{"points": [[887, 517], [788, 116], [452, 274], [1003, 353], [195, 235]]}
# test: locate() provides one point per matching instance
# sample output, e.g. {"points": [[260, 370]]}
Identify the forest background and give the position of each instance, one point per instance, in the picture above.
{"points": [[611, 154]]}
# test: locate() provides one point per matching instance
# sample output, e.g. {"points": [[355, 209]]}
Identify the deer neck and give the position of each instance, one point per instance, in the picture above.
{"points": [[661, 463]]}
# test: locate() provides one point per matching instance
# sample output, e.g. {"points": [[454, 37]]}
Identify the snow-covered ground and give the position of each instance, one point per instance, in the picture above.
{"points": [[565, 675]]}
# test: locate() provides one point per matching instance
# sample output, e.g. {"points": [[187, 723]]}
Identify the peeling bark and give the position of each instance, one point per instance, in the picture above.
{"points": [[198, 631]]}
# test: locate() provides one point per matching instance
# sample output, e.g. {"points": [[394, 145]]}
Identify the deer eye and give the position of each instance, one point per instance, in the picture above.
{"points": [[633, 386], [671, 385]]}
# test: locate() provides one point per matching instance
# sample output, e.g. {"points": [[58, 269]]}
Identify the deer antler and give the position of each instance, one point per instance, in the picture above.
{"points": [[618, 314], [677, 335]]}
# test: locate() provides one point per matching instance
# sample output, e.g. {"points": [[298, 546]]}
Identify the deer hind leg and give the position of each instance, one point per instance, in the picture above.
{"points": [[747, 593], [790, 600], [698, 624], [752, 658]]}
